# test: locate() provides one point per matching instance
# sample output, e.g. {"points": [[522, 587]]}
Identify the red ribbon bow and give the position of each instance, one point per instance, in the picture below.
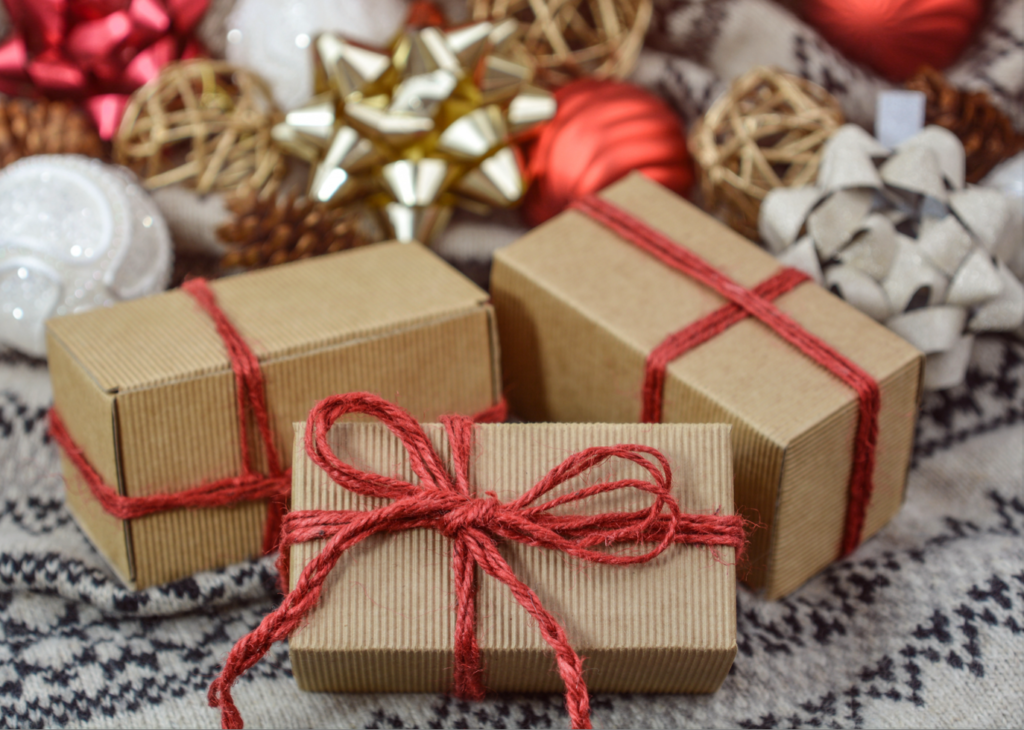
{"points": [[96, 50], [444, 502]]}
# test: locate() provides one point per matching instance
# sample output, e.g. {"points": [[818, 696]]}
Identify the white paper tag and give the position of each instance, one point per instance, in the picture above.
{"points": [[899, 115]]}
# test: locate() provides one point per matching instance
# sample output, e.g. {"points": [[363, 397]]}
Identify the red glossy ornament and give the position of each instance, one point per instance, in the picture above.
{"points": [[602, 131], [897, 37]]}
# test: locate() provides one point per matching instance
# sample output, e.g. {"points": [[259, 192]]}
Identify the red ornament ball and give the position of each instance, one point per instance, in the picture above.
{"points": [[897, 37], [602, 131]]}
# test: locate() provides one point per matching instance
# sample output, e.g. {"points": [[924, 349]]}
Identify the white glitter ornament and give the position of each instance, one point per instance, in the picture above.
{"points": [[75, 234], [273, 37]]}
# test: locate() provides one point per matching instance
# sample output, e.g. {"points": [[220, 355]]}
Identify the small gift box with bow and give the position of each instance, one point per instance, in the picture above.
{"points": [[636, 306], [174, 412], [503, 557]]}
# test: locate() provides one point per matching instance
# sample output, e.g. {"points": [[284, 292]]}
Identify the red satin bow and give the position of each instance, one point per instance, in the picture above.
{"points": [[444, 502], [95, 50]]}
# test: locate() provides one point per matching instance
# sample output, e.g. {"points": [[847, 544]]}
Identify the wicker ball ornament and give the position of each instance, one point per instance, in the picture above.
{"points": [[569, 39], [203, 123], [767, 131]]}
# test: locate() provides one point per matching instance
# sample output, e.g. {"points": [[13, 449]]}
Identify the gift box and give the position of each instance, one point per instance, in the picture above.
{"points": [[386, 616], [148, 397], [592, 325]]}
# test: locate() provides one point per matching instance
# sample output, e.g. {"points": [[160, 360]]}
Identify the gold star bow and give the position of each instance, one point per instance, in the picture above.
{"points": [[420, 128]]}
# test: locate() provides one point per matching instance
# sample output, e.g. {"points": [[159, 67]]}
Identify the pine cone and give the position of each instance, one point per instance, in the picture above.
{"points": [[42, 127], [987, 134], [277, 229]]}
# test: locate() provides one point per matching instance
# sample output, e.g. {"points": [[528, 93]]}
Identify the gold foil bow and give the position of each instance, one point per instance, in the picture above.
{"points": [[899, 235], [420, 128]]}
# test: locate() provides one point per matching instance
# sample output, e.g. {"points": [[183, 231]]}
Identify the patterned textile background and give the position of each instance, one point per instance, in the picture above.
{"points": [[922, 627]]}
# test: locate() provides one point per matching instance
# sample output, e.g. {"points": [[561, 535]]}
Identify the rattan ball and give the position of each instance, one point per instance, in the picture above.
{"points": [[767, 131], [203, 123], [569, 39]]}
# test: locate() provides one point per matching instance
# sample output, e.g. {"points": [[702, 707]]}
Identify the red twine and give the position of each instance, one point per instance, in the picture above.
{"points": [[444, 502], [743, 303], [250, 486]]}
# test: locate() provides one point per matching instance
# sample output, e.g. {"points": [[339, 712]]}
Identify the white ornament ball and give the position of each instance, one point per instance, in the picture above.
{"points": [[75, 234], [274, 37]]}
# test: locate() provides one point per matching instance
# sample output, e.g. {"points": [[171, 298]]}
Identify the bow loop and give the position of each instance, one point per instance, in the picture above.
{"points": [[425, 462], [460, 438], [588, 459]]}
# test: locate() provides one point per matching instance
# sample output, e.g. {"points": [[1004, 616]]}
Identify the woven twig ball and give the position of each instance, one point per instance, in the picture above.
{"points": [[570, 39], [204, 123], [766, 132]]}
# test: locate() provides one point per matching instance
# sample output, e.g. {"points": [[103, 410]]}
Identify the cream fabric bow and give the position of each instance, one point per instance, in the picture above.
{"points": [[897, 234]]}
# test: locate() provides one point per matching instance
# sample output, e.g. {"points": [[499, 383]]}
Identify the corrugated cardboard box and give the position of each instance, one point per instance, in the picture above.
{"points": [[385, 621], [146, 388], [579, 310]]}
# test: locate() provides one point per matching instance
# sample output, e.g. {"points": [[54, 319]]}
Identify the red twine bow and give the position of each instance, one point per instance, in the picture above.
{"points": [[743, 302], [96, 50], [444, 502]]}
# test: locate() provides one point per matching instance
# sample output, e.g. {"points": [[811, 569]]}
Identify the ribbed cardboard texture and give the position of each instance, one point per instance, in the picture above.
{"points": [[579, 310], [385, 622], [146, 388]]}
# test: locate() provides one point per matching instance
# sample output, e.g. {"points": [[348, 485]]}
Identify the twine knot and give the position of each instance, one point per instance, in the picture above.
{"points": [[443, 501], [470, 513]]}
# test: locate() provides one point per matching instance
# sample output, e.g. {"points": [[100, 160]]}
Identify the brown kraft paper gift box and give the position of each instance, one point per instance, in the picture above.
{"points": [[146, 388], [579, 310], [385, 619]]}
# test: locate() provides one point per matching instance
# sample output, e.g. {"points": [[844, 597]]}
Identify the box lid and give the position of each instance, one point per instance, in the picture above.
{"points": [[167, 338]]}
